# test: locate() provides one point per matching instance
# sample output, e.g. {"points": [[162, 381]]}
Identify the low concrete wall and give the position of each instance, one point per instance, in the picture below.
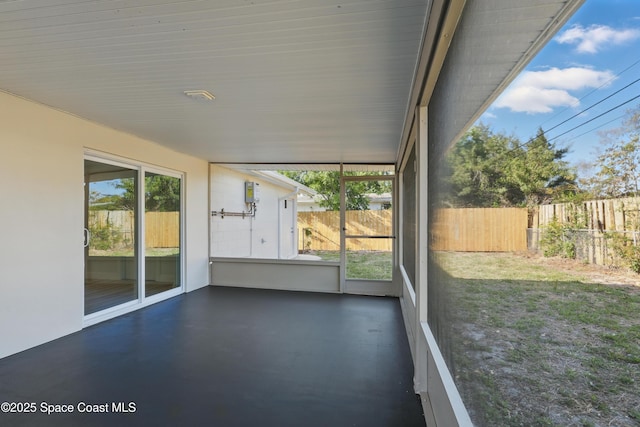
{"points": [[290, 275]]}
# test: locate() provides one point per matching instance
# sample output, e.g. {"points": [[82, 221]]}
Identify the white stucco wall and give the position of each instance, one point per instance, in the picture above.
{"points": [[239, 237], [41, 217]]}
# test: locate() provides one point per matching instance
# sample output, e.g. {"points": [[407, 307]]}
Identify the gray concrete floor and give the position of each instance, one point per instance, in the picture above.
{"points": [[225, 357]]}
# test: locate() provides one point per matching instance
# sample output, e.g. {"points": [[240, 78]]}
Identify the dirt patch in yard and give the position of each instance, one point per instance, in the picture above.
{"points": [[545, 341], [591, 273]]}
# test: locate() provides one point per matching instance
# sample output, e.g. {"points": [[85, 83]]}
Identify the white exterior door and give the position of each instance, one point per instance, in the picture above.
{"points": [[287, 247]]}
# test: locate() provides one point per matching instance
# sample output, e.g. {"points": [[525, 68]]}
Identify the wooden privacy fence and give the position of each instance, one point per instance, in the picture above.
{"points": [[320, 231], [162, 228], [480, 230], [465, 230], [601, 215], [591, 223]]}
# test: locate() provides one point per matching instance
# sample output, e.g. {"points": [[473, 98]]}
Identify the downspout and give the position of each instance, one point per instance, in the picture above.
{"points": [[250, 237]]}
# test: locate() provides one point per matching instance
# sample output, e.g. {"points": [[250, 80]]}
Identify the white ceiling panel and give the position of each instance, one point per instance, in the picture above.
{"points": [[295, 81]]}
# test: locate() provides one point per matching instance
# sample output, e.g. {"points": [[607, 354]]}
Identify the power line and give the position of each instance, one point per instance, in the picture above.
{"points": [[518, 146], [596, 117], [593, 105], [594, 90], [545, 131], [596, 128]]}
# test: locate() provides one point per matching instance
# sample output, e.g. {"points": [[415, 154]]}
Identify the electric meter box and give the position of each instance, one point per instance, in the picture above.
{"points": [[250, 192]]}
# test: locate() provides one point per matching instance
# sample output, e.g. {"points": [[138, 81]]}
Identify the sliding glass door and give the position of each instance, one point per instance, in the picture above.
{"points": [[132, 234], [161, 232], [111, 238]]}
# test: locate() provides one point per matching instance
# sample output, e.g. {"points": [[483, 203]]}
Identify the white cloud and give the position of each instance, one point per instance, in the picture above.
{"points": [[541, 91], [595, 37], [528, 99], [571, 78]]}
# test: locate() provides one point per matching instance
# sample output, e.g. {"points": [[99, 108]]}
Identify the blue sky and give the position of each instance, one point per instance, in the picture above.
{"points": [[595, 54]]}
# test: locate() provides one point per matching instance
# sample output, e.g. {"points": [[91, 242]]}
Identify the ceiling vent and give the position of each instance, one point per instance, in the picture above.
{"points": [[200, 94]]}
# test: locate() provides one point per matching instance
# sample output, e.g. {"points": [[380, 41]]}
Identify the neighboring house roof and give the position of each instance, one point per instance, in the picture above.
{"points": [[313, 201], [379, 198], [308, 199], [274, 178]]}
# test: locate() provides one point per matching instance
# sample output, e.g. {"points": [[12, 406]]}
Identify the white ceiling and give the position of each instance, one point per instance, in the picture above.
{"points": [[295, 81]]}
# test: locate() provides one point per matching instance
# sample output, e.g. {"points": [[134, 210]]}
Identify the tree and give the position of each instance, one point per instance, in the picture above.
{"points": [[493, 169], [99, 201], [618, 164], [538, 171], [327, 184], [162, 194], [618, 175], [476, 169]]}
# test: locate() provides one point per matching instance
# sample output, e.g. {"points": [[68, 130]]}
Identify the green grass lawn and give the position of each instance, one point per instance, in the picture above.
{"points": [[532, 344], [371, 265]]}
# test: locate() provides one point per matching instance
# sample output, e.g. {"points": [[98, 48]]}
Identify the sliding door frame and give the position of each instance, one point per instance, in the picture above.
{"points": [[141, 169]]}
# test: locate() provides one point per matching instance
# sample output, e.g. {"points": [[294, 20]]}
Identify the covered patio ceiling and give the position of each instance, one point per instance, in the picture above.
{"points": [[295, 81]]}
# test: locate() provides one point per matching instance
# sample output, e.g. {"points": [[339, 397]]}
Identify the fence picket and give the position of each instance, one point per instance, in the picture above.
{"points": [[603, 215], [324, 229], [162, 228], [480, 230]]}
